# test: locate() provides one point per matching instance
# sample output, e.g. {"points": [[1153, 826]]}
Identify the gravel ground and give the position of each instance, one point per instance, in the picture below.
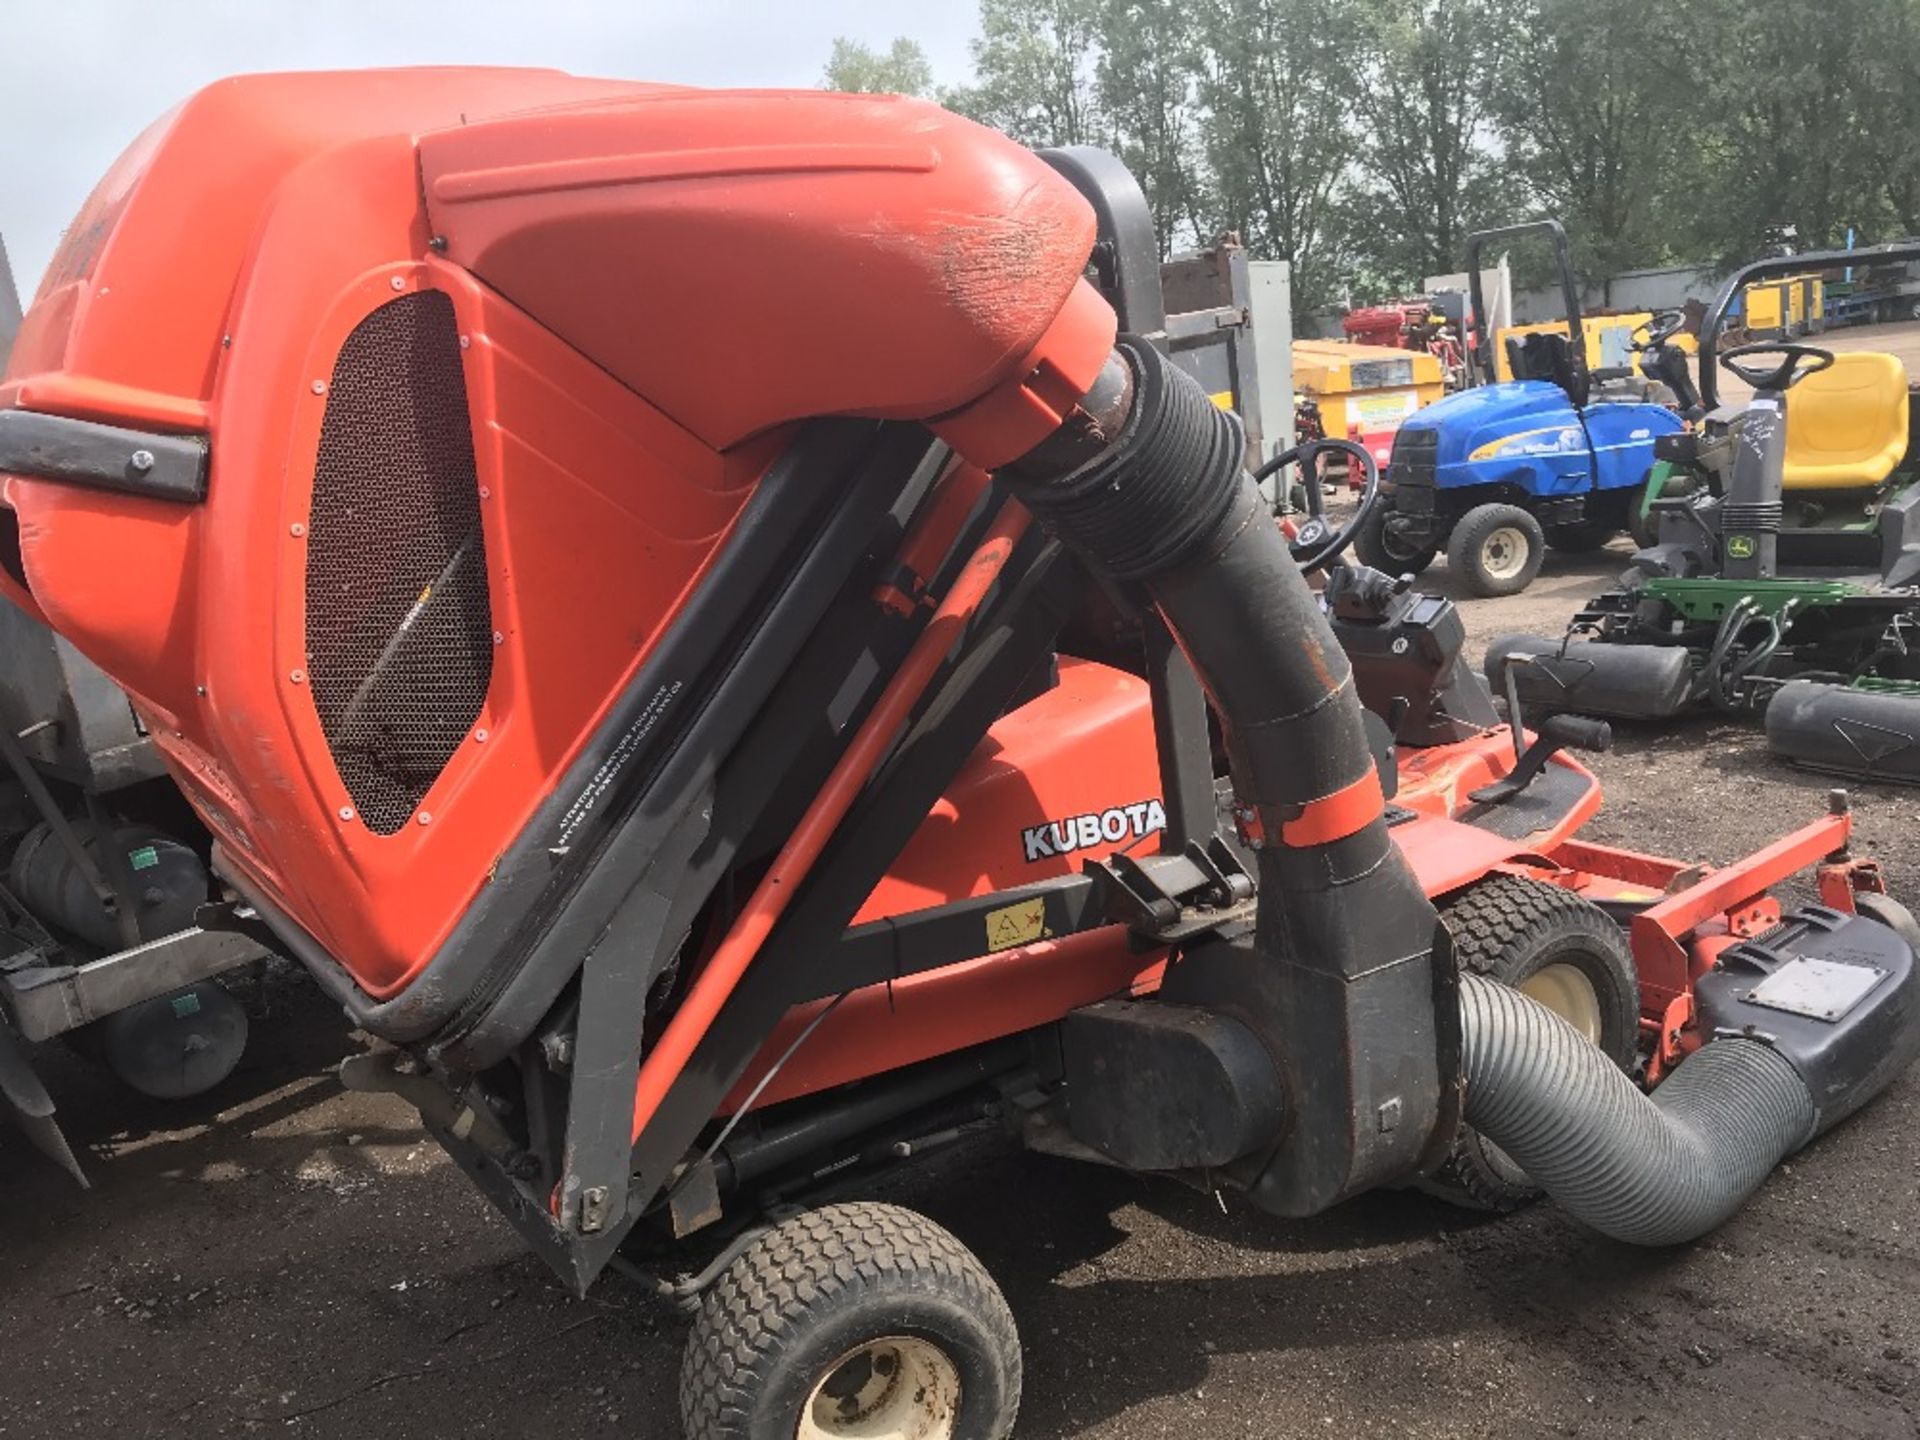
{"points": [[288, 1258]]}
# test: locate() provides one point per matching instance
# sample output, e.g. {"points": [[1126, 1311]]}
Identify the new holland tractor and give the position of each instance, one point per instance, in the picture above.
{"points": [[1782, 578], [611, 567], [1498, 473]]}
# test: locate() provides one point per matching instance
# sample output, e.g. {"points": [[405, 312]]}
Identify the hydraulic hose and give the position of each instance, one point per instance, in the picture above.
{"points": [[1654, 1169]]}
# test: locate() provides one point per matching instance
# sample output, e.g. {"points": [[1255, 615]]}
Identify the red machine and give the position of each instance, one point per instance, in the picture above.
{"points": [[547, 526], [1413, 325]]}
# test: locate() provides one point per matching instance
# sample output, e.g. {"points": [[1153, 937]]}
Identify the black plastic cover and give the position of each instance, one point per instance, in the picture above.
{"points": [[1833, 993], [1405, 647], [1168, 1087]]}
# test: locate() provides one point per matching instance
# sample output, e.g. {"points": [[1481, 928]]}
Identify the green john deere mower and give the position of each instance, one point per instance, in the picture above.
{"points": [[1784, 576]]}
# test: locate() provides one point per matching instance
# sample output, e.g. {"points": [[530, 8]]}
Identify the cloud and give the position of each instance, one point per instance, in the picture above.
{"points": [[86, 76]]}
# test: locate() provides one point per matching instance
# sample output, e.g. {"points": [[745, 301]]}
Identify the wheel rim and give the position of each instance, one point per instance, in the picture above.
{"points": [[1503, 554], [1566, 990], [899, 1387]]}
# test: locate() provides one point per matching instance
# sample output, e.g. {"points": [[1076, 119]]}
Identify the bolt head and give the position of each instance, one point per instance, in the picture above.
{"points": [[345, 812], [319, 387], [480, 737], [423, 818], [398, 282], [298, 677], [498, 638], [141, 461], [296, 529], [486, 492], [466, 342]]}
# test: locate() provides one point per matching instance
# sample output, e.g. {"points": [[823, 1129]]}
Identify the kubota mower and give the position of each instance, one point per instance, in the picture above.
{"points": [[1783, 573], [612, 565]]}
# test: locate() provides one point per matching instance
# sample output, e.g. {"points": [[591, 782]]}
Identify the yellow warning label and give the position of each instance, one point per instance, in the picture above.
{"points": [[1224, 400], [1019, 924]]}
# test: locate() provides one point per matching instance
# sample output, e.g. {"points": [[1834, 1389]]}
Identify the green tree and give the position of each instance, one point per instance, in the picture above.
{"points": [[901, 70], [1428, 173], [1597, 113], [1276, 122], [1888, 92], [1034, 72], [1145, 85], [1797, 130]]}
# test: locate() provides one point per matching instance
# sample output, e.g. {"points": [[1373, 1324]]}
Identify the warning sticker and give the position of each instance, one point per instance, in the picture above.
{"points": [[1018, 924]]}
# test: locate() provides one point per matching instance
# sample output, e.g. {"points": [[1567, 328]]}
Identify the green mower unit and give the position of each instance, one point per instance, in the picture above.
{"points": [[1784, 573]]}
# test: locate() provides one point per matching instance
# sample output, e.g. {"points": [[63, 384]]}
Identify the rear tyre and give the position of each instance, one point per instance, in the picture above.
{"points": [[854, 1320], [1580, 538], [1640, 523], [1563, 951], [1496, 550], [1375, 547]]}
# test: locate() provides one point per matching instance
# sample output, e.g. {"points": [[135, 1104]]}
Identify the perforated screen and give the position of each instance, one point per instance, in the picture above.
{"points": [[399, 624]]}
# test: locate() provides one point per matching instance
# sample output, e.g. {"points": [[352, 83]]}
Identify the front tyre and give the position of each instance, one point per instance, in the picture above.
{"points": [[1496, 550], [1583, 537], [1376, 547], [856, 1320], [1568, 954]]}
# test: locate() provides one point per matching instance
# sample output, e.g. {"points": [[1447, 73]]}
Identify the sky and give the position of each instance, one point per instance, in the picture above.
{"points": [[80, 78]]}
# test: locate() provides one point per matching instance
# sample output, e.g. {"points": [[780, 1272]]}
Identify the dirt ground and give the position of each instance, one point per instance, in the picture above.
{"points": [[288, 1258]]}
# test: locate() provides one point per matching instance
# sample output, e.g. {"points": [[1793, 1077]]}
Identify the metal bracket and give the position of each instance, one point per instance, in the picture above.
{"points": [[104, 457], [1173, 897], [46, 1000]]}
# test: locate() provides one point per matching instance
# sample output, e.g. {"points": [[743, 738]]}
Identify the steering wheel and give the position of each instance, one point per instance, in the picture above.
{"points": [[1787, 373], [1318, 544], [1660, 328]]}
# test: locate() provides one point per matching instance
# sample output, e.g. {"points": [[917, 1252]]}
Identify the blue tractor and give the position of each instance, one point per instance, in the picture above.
{"points": [[1556, 458]]}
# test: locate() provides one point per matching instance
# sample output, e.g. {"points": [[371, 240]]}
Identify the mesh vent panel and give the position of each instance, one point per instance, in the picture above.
{"points": [[399, 626]]}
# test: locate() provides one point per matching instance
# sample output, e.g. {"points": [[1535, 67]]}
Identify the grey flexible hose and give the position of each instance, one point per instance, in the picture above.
{"points": [[1654, 1169]]}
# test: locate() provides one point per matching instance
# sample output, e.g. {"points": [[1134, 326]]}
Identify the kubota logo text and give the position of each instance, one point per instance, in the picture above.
{"points": [[1099, 827]]}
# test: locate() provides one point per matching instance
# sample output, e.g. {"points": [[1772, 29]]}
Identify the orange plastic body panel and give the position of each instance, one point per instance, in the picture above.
{"points": [[635, 341], [744, 259], [1085, 751], [127, 324]]}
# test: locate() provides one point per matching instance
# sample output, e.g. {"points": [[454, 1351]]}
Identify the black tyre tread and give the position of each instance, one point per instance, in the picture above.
{"points": [[1489, 923], [1370, 547], [1463, 548], [1639, 526], [1581, 538], [806, 1263]]}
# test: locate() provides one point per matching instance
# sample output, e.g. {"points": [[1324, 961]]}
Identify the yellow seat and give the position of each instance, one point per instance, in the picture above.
{"points": [[1847, 426]]}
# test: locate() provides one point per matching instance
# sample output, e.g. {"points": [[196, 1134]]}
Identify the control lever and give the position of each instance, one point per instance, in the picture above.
{"points": [[1556, 733]]}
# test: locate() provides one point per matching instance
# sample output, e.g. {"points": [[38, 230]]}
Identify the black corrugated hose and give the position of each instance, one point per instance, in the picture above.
{"points": [[1654, 1169]]}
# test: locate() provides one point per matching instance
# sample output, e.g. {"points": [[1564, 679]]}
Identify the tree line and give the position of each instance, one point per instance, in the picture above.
{"points": [[1364, 139]]}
